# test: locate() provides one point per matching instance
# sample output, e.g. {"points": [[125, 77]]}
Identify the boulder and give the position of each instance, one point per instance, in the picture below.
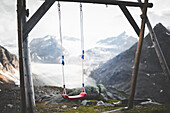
{"points": [[86, 102], [100, 103]]}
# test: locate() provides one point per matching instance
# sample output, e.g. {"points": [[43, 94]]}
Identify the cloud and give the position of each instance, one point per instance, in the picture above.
{"points": [[8, 21], [163, 17], [99, 21]]}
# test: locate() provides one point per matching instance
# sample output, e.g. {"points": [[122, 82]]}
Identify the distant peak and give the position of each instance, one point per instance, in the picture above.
{"points": [[48, 37], [71, 38], [160, 26], [122, 34]]}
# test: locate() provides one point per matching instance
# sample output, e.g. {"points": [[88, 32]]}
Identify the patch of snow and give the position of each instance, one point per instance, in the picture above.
{"points": [[0, 90], [154, 84], [150, 46], [1, 64], [167, 33], [6, 75], [161, 91], [38, 57], [10, 105], [148, 74], [133, 67], [1, 82], [150, 100], [16, 75], [47, 38], [13, 77], [154, 103]]}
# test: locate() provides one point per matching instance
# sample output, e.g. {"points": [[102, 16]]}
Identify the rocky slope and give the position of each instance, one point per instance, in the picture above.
{"points": [[151, 81], [8, 66], [9, 78]]}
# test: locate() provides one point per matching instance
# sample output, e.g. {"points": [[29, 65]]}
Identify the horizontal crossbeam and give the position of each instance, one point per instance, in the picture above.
{"points": [[110, 2], [48, 3]]}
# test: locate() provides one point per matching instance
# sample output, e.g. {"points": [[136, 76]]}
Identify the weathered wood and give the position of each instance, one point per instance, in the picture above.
{"points": [[21, 21], [110, 2], [37, 16], [130, 18], [137, 57], [27, 94], [158, 50], [25, 27], [29, 82], [154, 40]]}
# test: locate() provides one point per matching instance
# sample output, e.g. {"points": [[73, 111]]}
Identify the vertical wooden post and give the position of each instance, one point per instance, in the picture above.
{"points": [[21, 21], [26, 85], [137, 57], [29, 82]]}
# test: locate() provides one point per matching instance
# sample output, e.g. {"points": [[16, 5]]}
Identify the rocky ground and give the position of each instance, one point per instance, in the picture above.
{"points": [[99, 99], [9, 98]]}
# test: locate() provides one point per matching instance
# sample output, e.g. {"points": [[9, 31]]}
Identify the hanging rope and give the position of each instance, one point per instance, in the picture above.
{"points": [[82, 45], [82, 94], [62, 55]]}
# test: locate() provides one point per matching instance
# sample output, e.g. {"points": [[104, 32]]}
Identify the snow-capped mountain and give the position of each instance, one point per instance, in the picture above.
{"points": [[48, 50], [45, 50], [151, 80], [8, 67], [108, 48]]}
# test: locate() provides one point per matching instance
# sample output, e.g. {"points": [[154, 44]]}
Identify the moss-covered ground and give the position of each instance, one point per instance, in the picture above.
{"points": [[150, 109], [41, 108], [73, 108]]}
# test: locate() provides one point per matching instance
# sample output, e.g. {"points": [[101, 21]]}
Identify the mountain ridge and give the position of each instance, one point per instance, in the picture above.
{"points": [[117, 71]]}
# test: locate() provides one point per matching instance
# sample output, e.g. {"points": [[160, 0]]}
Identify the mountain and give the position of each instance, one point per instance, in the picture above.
{"points": [[8, 67], [151, 82], [45, 50], [121, 41], [108, 48]]}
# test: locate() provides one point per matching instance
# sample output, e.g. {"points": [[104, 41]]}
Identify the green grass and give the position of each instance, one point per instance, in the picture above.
{"points": [[113, 100]]}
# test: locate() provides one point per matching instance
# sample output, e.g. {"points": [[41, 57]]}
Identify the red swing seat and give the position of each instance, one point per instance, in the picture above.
{"points": [[80, 96]]}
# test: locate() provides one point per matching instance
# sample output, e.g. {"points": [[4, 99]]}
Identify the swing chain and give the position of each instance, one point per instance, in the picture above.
{"points": [[58, 6], [80, 7]]}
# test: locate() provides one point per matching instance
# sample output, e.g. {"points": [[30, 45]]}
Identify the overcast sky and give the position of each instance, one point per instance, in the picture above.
{"points": [[99, 21]]}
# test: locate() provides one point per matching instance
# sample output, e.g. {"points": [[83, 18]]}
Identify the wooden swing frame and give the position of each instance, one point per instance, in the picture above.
{"points": [[24, 28]]}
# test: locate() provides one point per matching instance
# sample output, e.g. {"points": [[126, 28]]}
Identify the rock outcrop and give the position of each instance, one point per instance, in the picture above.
{"points": [[9, 66]]}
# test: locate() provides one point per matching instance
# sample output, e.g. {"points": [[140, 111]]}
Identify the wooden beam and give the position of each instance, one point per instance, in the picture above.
{"points": [[27, 92], [130, 19], [137, 57], [158, 50], [110, 2], [29, 81], [21, 20], [29, 25], [48, 3]]}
